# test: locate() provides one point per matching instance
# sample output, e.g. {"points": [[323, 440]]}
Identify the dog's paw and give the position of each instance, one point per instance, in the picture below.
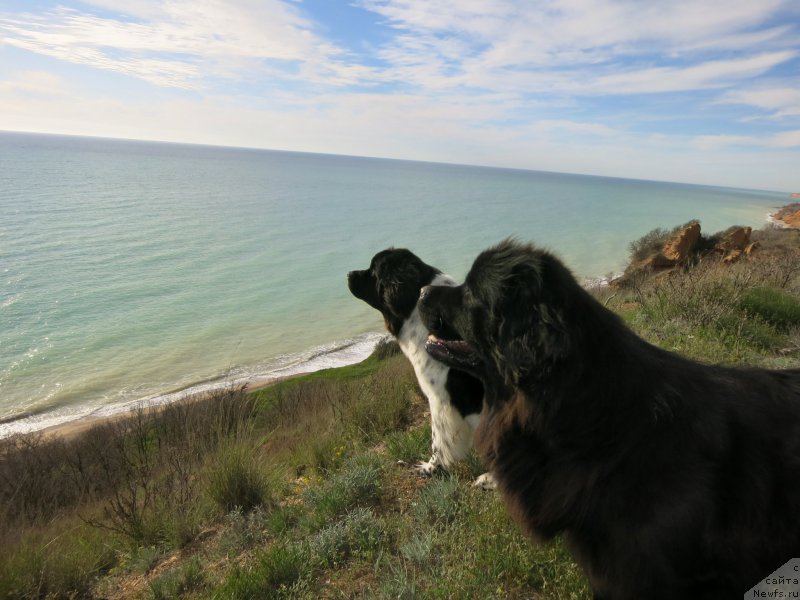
{"points": [[485, 482], [427, 469]]}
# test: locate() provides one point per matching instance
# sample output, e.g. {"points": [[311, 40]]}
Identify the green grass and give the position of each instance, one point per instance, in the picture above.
{"points": [[60, 561], [411, 446], [276, 573], [775, 306]]}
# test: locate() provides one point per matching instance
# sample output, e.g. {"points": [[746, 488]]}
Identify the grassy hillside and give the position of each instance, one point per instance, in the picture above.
{"points": [[303, 489]]}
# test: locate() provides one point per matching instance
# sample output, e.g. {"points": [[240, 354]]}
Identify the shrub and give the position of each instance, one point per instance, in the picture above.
{"points": [[418, 549], [357, 483], [648, 244], [386, 348], [236, 481], [358, 533], [654, 240], [178, 582], [244, 530], [438, 502]]}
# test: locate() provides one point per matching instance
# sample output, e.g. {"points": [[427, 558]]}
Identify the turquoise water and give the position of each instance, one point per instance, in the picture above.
{"points": [[132, 269]]}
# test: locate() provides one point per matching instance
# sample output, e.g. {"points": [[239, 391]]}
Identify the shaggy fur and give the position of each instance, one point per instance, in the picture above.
{"points": [[392, 285], [670, 479]]}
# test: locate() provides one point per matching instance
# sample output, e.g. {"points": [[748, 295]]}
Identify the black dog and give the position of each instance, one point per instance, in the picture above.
{"points": [[392, 285], [670, 479]]}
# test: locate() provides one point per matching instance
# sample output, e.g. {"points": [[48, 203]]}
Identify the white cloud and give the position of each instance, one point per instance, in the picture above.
{"points": [[36, 83], [573, 48], [177, 43], [786, 139], [548, 32], [695, 77], [779, 101], [574, 127], [713, 142], [783, 139]]}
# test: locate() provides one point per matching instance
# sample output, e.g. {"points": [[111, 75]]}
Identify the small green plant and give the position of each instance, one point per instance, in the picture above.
{"points": [[178, 582], [396, 581], [243, 530], [357, 483], [438, 502], [358, 533], [418, 549], [275, 574], [236, 480]]}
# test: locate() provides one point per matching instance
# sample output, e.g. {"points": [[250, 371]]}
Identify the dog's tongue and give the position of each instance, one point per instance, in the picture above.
{"points": [[455, 353]]}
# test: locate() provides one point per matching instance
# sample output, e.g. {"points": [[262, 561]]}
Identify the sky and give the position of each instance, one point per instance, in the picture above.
{"points": [[680, 90]]}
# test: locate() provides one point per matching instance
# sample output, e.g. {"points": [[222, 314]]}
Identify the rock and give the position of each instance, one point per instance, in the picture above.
{"points": [[793, 220], [732, 257], [788, 216], [750, 248], [736, 238], [677, 249]]}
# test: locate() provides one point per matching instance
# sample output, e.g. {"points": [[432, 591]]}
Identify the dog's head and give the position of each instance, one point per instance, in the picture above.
{"points": [[509, 321], [392, 284]]}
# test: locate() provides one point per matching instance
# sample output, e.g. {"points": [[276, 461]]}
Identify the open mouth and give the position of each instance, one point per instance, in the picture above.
{"points": [[454, 353]]}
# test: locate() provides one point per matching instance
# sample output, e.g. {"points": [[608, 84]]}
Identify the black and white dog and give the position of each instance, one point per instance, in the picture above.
{"points": [[392, 284]]}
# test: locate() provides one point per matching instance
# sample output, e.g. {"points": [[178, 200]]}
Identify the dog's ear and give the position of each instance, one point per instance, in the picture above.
{"points": [[530, 331], [401, 276], [400, 297]]}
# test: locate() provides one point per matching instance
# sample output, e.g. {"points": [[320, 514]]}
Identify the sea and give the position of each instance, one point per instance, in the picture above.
{"points": [[139, 272]]}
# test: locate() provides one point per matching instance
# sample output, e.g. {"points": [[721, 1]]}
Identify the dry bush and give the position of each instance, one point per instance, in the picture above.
{"points": [[135, 465]]}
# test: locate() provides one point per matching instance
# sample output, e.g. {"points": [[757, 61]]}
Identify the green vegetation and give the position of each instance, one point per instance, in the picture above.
{"points": [[745, 312], [773, 305], [303, 490]]}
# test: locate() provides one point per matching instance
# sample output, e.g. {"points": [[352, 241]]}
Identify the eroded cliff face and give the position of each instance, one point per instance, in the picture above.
{"points": [[788, 216], [687, 244]]}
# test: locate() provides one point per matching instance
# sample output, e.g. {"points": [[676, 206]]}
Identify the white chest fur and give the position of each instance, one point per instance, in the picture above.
{"points": [[451, 432]]}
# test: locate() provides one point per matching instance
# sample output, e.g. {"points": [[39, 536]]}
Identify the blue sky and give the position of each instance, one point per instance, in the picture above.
{"points": [[701, 92]]}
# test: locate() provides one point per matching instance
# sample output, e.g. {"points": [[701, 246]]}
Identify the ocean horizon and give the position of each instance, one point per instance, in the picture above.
{"points": [[146, 271]]}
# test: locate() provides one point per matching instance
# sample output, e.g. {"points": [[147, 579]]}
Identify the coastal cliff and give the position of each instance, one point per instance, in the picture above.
{"points": [[788, 216], [662, 251]]}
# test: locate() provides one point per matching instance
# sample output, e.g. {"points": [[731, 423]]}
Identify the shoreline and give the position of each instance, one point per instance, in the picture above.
{"points": [[71, 429], [334, 354], [316, 358]]}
